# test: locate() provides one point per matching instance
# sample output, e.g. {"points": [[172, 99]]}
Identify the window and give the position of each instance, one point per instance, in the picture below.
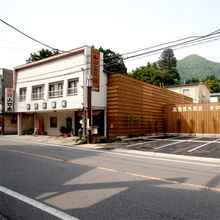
{"points": [[55, 89], [53, 122], [22, 94], [72, 86], [186, 92], [38, 92]]}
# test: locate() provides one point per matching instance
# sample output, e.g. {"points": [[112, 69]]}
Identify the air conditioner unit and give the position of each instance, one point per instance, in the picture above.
{"points": [[28, 107], [64, 103], [44, 105], [36, 106], [53, 104]]}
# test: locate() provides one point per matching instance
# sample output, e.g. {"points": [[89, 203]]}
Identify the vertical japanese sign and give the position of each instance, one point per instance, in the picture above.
{"points": [[95, 68], [9, 100]]}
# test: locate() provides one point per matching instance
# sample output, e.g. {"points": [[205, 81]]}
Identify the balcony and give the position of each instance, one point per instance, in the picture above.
{"points": [[55, 94], [72, 91], [37, 96], [22, 98]]}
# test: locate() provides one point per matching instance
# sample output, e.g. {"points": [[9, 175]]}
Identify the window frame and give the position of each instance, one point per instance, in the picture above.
{"points": [[41, 94], [22, 97], [57, 93], [72, 91]]}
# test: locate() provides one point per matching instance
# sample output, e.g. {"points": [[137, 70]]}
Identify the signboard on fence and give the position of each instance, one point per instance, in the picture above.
{"points": [[9, 100]]}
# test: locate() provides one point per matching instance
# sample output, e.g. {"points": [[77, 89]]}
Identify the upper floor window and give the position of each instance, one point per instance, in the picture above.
{"points": [[56, 89], [22, 94], [186, 92], [38, 92], [72, 86]]}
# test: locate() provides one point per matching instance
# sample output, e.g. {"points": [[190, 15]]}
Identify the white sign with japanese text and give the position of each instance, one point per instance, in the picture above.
{"points": [[9, 100]]}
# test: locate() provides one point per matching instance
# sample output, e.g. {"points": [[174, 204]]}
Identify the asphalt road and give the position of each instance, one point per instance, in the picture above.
{"points": [[92, 184]]}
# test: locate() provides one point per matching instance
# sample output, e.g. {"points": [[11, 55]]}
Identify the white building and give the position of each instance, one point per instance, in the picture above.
{"points": [[198, 92], [52, 92]]}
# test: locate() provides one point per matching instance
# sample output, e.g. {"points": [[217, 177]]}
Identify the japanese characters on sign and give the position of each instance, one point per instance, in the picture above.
{"points": [[95, 68], [9, 100]]}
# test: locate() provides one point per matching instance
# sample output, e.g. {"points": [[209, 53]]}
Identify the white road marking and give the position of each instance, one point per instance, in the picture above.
{"points": [[52, 211], [166, 145], [150, 140], [140, 143], [177, 141], [107, 169], [201, 146]]}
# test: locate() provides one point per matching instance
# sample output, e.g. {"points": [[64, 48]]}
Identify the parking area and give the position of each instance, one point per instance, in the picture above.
{"points": [[182, 145]]}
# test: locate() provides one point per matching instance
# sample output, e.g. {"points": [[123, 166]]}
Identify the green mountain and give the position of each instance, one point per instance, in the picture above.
{"points": [[197, 67]]}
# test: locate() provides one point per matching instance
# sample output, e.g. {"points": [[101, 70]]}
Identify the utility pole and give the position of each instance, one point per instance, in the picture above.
{"points": [[89, 109], [3, 104]]}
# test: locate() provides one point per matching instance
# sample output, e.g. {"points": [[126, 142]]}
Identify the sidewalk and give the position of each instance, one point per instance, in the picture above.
{"points": [[69, 141]]}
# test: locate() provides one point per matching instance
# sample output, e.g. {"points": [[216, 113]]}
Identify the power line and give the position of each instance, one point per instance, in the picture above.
{"points": [[181, 39], [177, 48], [171, 46], [158, 45], [28, 36]]}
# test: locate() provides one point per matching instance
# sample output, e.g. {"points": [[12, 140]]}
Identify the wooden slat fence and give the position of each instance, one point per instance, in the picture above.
{"points": [[193, 118], [137, 108]]}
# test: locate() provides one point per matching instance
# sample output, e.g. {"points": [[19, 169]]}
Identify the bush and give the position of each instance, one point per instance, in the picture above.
{"points": [[68, 130], [28, 131], [63, 130]]}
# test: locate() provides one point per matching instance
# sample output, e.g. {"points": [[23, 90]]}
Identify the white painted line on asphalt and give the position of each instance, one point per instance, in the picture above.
{"points": [[52, 211], [167, 139], [140, 143], [201, 146], [167, 145], [179, 140], [107, 169]]}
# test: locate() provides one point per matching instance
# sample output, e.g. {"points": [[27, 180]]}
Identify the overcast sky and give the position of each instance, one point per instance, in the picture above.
{"points": [[121, 25]]}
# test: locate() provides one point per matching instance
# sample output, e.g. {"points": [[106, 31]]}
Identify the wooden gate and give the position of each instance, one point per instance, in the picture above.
{"points": [[193, 118]]}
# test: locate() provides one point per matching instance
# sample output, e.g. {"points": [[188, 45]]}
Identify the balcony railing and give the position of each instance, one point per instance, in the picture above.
{"points": [[72, 91], [37, 96], [22, 98], [55, 93]]}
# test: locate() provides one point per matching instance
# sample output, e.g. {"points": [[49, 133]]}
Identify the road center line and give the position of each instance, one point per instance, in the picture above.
{"points": [[201, 146], [52, 211]]}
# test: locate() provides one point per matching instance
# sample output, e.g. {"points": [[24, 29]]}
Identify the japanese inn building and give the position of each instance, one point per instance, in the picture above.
{"points": [[52, 92]]}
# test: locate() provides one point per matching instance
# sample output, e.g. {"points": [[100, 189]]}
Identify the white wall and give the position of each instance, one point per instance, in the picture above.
{"points": [[198, 93]]}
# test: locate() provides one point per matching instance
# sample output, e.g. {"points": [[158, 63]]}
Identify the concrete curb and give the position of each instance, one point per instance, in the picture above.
{"points": [[169, 156]]}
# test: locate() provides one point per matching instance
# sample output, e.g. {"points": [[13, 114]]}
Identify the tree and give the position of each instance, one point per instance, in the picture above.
{"points": [[149, 73], [168, 66], [143, 73], [41, 54], [212, 83], [113, 62], [193, 80]]}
